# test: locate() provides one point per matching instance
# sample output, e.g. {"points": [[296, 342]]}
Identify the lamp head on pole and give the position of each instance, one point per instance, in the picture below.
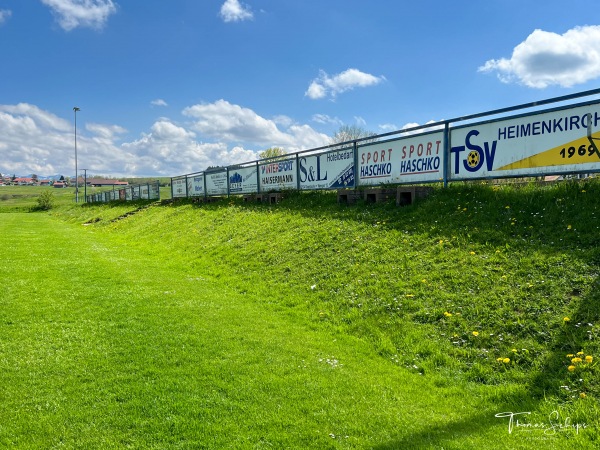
{"points": [[75, 108]]}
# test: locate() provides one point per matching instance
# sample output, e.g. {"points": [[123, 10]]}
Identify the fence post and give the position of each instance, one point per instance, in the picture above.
{"points": [[257, 178], [355, 151], [297, 172], [447, 159], [227, 180]]}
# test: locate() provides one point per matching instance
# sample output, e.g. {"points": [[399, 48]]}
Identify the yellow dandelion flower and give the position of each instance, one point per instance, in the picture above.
{"points": [[571, 368], [506, 360], [576, 360], [441, 241], [507, 207], [566, 319], [471, 253], [580, 353], [514, 350], [475, 333], [569, 227], [589, 358], [582, 395], [447, 314], [570, 355]]}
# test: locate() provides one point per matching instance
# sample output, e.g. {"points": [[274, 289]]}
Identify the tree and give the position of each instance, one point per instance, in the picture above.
{"points": [[348, 133], [272, 153], [45, 201]]}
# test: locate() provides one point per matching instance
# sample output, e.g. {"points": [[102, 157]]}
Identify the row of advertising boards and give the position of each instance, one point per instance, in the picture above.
{"points": [[548, 142], [146, 191]]}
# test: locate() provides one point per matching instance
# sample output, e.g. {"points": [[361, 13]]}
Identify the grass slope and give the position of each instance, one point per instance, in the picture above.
{"points": [[305, 324]]}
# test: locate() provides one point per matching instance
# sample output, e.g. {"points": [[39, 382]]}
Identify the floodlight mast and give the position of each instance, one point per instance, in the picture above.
{"points": [[75, 109]]}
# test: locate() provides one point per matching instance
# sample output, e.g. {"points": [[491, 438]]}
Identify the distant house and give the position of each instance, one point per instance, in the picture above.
{"points": [[59, 184], [44, 182], [24, 181]]}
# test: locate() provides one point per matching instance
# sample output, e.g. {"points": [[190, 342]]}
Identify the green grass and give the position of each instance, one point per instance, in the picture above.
{"points": [[23, 198], [305, 324]]}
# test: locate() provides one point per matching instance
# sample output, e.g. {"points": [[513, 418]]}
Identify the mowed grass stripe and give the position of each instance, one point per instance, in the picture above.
{"points": [[103, 349]]}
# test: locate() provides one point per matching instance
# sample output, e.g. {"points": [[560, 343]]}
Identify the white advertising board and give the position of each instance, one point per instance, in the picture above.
{"points": [[412, 159], [178, 187], [216, 183], [537, 144], [195, 186], [242, 180], [331, 170], [278, 175], [154, 191]]}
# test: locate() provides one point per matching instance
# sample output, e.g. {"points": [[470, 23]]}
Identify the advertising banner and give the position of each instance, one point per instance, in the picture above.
{"points": [[242, 180], [278, 175], [195, 186], [178, 187], [216, 183], [536, 144], [331, 170], [412, 159], [154, 191]]}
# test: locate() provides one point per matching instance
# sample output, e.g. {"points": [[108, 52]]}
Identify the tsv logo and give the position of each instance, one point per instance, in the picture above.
{"points": [[476, 156]]}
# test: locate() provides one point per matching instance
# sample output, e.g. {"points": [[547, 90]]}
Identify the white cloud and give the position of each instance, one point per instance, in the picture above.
{"points": [[81, 13], [234, 11], [158, 102], [4, 15], [545, 59], [327, 120], [224, 121], [360, 121], [110, 132], [422, 130], [33, 140], [36, 141], [325, 85], [386, 127]]}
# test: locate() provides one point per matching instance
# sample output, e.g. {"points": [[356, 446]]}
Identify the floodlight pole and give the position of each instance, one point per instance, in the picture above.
{"points": [[75, 109]]}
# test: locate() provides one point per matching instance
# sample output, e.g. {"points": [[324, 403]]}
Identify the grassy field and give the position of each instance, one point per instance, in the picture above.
{"points": [[24, 198], [305, 324]]}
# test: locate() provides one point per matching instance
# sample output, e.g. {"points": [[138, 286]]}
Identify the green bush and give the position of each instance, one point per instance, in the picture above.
{"points": [[45, 201]]}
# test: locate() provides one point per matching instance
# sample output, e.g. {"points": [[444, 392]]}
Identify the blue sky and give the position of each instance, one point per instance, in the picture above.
{"points": [[172, 87]]}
